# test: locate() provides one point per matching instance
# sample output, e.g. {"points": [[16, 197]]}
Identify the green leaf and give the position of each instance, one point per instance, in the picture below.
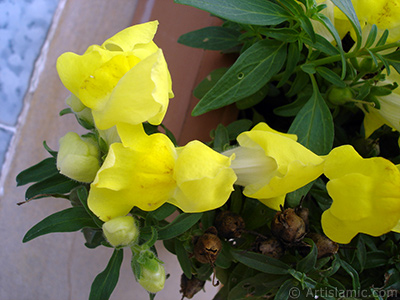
{"points": [[314, 125], [56, 184], [82, 193], [329, 25], [66, 111], [253, 69], [237, 127], [255, 12], [104, 283], [211, 38], [307, 26], [260, 262], [346, 6], [163, 212], [221, 139], [292, 109], [293, 58], [287, 289], [254, 99], [259, 285], [321, 44], [207, 83], [394, 60], [178, 226], [67, 220], [52, 152], [183, 259], [307, 263], [287, 35], [43, 170], [353, 274], [330, 76], [383, 38], [361, 253], [371, 36]]}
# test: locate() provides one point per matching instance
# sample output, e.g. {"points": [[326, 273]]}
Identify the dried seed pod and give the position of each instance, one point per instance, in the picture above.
{"points": [[325, 246], [303, 213], [229, 224], [207, 246], [288, 227], [272, 247], [190, 287]]}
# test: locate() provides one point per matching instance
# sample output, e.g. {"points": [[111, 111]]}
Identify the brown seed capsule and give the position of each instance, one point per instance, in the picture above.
{"points": [[303, 213], [190, 287], [288, 227], [325, 246], [207, 246], [229, 225], [272, 247]]}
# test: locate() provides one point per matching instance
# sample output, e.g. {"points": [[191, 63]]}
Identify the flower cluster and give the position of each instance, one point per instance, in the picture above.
{"points": [[125, 176]]}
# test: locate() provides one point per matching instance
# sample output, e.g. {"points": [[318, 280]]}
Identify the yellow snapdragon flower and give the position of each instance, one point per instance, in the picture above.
{"points": [[270, 164], [126, 79], [147, 170], [365, 193]]}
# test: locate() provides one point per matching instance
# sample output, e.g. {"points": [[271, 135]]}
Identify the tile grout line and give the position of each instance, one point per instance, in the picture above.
{"points": [[37, 72]]}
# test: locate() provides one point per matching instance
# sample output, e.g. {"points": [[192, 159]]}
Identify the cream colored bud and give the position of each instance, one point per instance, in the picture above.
{"points": [[78, 157], [121, 231]]}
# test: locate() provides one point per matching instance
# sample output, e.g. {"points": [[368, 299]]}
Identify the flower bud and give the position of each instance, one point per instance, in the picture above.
{"points": [[339, 96], [121, 231], [82, 112], [78, 157], [152, 276]]}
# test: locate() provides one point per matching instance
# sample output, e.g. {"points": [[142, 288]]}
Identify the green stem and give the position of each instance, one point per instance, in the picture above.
{"points": [[335, 58]]}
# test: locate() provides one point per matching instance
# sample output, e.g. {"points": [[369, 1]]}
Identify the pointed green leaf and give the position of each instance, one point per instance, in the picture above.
{"points": [[371, 36], [67, 220], [221, 139], [287, 35], [260, 262], [253, 69], [104, 283], [207, 83], [331, 76], [255, 12], [353, 274], [82, 193], [287, 289], [56, 184], [321, 44], [211, 38], [44, 169], [307, 264], [183, 258], [182, 223], [394, 60], [346, 6], [314, 124]]}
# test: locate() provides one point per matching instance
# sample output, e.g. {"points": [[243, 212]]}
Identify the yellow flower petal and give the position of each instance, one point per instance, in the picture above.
{"points": [[141, 94], [277, 164], [204, 178], [140, 176], [365, 193], [128, 39]]}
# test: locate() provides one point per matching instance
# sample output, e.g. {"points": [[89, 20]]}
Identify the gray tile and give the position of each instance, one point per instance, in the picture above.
{"points": [[23, 29]]}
